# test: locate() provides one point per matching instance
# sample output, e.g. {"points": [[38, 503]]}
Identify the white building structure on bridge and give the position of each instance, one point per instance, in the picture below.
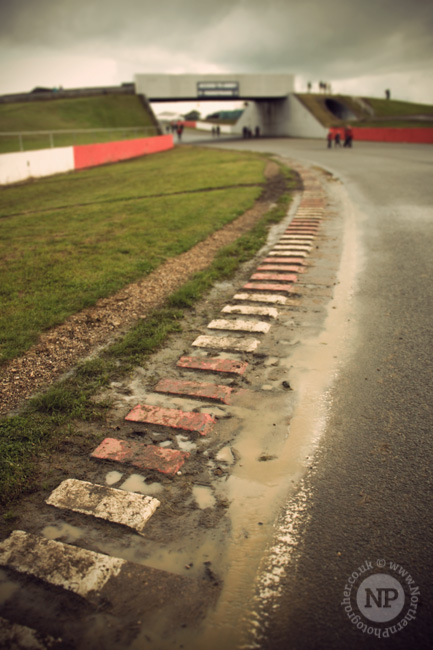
{"points": [[271, 103]]}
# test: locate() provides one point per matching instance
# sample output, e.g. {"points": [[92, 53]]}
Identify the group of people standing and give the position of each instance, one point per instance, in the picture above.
{"points": [[335, 135], [248, 133]]}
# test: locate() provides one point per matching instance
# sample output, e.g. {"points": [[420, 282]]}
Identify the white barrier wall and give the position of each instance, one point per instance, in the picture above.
{"points": [[15, 167]]}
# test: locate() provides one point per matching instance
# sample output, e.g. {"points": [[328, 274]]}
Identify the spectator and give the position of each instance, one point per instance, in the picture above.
{"points": [[348, 136]]}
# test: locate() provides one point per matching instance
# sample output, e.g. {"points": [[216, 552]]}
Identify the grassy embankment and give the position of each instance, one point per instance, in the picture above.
{"points": [[398, 114], [387, 113], [100, 112], [69, 240]]}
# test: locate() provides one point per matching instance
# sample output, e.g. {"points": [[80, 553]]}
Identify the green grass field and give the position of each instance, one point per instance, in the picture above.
{"points": [[100, 112], [68, 240]]}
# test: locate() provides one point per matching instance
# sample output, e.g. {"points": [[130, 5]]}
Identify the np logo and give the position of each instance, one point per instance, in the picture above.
{"points": [[380, 598]]}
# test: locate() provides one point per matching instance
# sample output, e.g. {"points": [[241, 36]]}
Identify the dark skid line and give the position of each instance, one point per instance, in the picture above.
{"points": [[131, 198]]}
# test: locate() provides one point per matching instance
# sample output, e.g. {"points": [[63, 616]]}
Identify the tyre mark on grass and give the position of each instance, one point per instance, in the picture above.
{"points": [[133, 198]]}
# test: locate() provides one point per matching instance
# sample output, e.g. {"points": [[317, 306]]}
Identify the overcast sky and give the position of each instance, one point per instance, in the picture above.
{"points": [[361, 47]]}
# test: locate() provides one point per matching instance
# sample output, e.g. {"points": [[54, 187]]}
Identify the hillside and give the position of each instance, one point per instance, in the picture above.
{"points": [[103, 111], [336, 110]]}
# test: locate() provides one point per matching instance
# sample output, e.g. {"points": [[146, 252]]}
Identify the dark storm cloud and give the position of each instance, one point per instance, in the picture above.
{"points": [[65, 21], [336, 37]]}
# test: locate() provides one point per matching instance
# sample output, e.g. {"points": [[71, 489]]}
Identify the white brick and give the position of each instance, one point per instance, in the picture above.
{"points": [[294, 247], [295, 240], [74, 569], [227, 343], [261, 297], [251, 310], [300, 237], [239, 325], [118, 506]]}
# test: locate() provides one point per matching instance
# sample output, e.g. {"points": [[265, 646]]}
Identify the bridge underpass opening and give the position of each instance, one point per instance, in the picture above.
{"points": [[339, 109], [204, 108]]}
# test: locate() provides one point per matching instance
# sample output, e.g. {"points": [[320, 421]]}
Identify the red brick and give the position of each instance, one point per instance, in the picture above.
{"points": [[285, 260], [144, 457], [213, 364], [285, 288], [201, 423], [281, 267], [290, 277], [195, 389]]}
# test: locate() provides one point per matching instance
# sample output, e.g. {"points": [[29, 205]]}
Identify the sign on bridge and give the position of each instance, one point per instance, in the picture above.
{"points": [[217, 89]]}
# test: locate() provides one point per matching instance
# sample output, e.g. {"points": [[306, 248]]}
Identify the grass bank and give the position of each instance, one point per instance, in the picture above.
{"points": [[69, 240], [386, 112], [100, 112], [52, 422], [396, 108]]}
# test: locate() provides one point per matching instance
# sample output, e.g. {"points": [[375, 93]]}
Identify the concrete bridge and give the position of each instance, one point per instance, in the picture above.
{"points": [[272, 105]]}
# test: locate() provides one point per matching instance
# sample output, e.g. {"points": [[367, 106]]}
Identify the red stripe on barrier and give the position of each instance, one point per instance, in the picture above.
{"points": [[92, 155], [415, 135]]}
